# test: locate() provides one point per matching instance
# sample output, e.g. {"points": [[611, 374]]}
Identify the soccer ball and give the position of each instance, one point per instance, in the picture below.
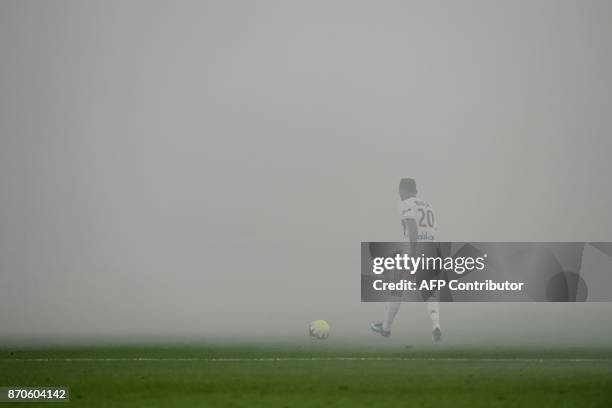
{"points": [[319, 329]]}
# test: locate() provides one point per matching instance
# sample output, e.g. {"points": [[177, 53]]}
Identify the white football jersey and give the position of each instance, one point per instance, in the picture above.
{"points": [[424, 216]]}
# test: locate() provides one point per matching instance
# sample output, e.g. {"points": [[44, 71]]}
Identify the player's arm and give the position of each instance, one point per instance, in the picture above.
{"points": [[411, 231]]}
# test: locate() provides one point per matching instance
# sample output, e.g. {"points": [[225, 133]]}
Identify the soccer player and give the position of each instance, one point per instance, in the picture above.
{"points": [[419, 225]]}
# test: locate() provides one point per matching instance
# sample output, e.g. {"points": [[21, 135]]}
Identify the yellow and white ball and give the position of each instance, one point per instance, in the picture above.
{"points": [[319, 329]]}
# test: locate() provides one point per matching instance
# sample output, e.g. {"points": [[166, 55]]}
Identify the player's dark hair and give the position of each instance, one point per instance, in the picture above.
{"points": [[407, 185]]}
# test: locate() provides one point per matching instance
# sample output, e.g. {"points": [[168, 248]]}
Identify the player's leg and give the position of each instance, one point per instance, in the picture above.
{"points": [[391, 309], [433, 301], [384, 328], [433, 308]]}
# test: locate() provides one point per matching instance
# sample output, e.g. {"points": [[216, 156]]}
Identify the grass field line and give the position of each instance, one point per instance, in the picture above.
{"points": [[289, 359]]}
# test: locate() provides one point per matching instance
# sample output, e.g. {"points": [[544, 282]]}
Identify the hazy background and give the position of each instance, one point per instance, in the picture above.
{"points": [[208, 169]]}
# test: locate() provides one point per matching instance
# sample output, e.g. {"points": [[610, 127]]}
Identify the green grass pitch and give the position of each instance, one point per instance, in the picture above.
{"points": [[314, 375]]}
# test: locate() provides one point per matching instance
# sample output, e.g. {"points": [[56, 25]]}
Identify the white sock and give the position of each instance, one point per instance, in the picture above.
{"points": [[433, 308], [391, 309]]}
